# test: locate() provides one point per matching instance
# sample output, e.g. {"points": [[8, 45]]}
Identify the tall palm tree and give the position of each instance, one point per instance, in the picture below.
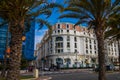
{"points": [[95, 13], [16, 12]]}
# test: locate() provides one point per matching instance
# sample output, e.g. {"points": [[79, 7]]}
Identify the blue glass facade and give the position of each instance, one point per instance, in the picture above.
{"points": [[28, 44], [3, 37], [4, 40]]}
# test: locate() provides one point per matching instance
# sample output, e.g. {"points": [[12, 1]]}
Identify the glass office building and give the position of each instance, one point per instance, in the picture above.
{"points": [[28, 44]]}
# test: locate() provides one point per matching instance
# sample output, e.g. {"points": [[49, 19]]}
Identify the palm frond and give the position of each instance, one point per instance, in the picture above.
{"points": [[53, 5], [80, 22], [113, 33], [40, 12], [71, 15], [43, 22], [115, 3], [28, 23], [37, 4], [78, 10]]}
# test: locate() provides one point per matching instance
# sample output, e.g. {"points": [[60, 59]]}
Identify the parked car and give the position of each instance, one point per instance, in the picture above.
{"points": [[45, 69], [116, 67], [108, 68], [54, 68]]}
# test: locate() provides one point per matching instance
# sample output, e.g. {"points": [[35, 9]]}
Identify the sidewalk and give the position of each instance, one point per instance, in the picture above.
{"points": [[40, 78], [31, 73], [76, 70]]}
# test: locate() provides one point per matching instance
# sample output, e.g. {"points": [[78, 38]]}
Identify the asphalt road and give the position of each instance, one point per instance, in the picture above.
{"points": [[83, 76]]}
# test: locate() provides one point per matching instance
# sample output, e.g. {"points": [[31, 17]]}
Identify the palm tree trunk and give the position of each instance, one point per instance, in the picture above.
{"points": [[16, 50], [101, 55]]}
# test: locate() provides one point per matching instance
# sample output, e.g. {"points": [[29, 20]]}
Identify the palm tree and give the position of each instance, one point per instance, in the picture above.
{"points": [[95, 13], [15, 12]]}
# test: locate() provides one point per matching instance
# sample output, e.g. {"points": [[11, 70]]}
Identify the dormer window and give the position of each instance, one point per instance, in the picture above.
{"points": [[67, 26], [58, 26]]}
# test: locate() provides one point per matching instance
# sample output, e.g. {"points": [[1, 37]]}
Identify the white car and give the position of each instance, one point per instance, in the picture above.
{"points": [[45, 69]]}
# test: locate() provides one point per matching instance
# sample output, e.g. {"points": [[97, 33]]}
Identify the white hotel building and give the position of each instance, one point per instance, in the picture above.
{"points": [[70, 46]]}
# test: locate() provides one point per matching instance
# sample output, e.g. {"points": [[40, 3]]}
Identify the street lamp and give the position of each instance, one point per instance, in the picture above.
{"points": [[23, 38]]}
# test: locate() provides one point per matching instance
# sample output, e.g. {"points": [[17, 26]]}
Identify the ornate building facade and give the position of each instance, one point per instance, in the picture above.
{"points": [[71, 46]]}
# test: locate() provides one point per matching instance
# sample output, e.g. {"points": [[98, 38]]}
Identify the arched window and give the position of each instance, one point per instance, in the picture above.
{"points": [[59, 39], [68, 60], [59, 61]]}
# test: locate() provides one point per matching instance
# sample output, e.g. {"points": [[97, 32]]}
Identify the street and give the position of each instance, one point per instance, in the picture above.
{"points": [[77, 74], [83, 75]]}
